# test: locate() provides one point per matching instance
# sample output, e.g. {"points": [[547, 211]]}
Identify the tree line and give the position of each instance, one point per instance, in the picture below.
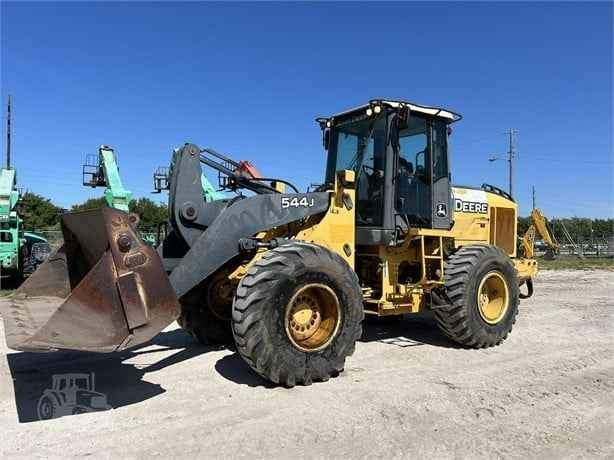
{"points": [[581, 229], [39, 212]]}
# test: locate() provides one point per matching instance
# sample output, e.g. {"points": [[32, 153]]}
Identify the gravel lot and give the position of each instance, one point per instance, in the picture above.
{"points": [[547, 392]]}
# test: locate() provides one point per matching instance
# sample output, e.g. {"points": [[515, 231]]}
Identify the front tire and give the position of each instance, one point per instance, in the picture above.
{"points": [[482, 290], [297, 314], [47, 407]]}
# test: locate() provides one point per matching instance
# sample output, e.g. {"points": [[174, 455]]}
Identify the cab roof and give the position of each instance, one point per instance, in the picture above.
{"points": [[449, 115]]}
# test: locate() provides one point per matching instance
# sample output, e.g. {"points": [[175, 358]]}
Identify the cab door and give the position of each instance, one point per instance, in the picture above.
{"points": [[441, 192], [412, 180]]}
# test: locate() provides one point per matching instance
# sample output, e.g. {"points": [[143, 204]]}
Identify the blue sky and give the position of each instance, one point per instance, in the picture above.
{"points": [[248, 79]]}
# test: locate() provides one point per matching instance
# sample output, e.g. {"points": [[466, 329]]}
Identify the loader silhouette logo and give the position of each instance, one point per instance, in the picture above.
{"points": [[70, 394], [442, 210]]}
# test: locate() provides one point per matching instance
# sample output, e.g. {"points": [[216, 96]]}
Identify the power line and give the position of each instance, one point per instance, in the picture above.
{"points": [[559, 160]]}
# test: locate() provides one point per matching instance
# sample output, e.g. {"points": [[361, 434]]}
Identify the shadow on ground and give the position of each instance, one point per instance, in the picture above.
{"points": [[233, 368], [121, 382], [399, 331], [405, 331]]}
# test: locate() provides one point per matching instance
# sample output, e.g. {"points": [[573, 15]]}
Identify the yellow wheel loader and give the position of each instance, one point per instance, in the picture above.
{"points": [[290, 276]]}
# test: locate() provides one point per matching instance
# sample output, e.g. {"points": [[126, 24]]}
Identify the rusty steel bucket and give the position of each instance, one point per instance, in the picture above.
{"points": [[103, 290]]}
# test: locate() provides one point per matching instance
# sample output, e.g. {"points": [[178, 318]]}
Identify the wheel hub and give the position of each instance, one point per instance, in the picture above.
{"points": [[46, 409], [312, 317], [219, 296], [305, 317], [493, 297]]}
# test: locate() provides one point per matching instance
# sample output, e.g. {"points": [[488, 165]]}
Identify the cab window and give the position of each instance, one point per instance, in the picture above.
{"points": [[413, 181], [440, 159], [358, 144]]}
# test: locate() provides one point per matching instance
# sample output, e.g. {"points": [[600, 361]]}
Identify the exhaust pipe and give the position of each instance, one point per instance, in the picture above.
{"points": [[104, 290]]}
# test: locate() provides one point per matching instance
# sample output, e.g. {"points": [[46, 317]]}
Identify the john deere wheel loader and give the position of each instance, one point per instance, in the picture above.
{"points": [[293, 274]]}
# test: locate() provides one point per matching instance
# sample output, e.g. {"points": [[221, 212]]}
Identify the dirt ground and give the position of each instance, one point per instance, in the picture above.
{"points": [[547, 392]]}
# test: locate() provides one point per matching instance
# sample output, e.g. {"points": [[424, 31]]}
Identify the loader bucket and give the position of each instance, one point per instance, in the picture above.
{"points": [[103, 290]]}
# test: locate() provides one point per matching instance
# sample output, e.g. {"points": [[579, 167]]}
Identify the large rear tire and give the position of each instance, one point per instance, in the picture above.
{"points": [[297, 314], [482, 289]]}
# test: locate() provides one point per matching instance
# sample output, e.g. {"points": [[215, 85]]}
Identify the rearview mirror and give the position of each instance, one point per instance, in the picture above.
{"points": [[403, 117]]}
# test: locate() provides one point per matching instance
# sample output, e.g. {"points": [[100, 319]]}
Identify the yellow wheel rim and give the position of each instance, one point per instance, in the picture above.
{"points": [[312, 317], [493, 297]]}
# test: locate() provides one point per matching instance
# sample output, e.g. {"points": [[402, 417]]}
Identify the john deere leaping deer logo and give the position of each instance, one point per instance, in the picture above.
{"points": [[70, 394]]}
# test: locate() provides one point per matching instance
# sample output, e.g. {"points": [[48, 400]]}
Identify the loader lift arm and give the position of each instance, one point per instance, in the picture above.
{"points": [[104, 172], [232, 175], [189, 214], [161, 182], [242, 174], [215, 228], [538, 226]]}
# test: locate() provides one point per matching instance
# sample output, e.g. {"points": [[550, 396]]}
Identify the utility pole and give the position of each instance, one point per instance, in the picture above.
{"points": [[511, 154], [8, 134], [533, 196]]}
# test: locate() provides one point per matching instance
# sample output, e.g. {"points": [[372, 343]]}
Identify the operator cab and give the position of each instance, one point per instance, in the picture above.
{"points": [[399, 152]]}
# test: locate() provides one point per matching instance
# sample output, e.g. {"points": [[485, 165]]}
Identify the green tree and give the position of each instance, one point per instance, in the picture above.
{"points": [[581, 229], [603, 227], [150, 213], [91, 203], [38, 212], [523, 225]]}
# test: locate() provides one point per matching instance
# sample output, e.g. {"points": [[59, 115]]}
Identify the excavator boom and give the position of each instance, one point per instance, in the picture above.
{"points": [[538, 227]]}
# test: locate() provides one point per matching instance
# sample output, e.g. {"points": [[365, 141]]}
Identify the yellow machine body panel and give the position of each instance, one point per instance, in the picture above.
{"points": [[484, 217], [480, 217], [337, 230]]}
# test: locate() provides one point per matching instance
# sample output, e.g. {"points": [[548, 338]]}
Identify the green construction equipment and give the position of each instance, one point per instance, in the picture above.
{"points": [[102, 171], [20, 252], [10, 225], [209, 192]]}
